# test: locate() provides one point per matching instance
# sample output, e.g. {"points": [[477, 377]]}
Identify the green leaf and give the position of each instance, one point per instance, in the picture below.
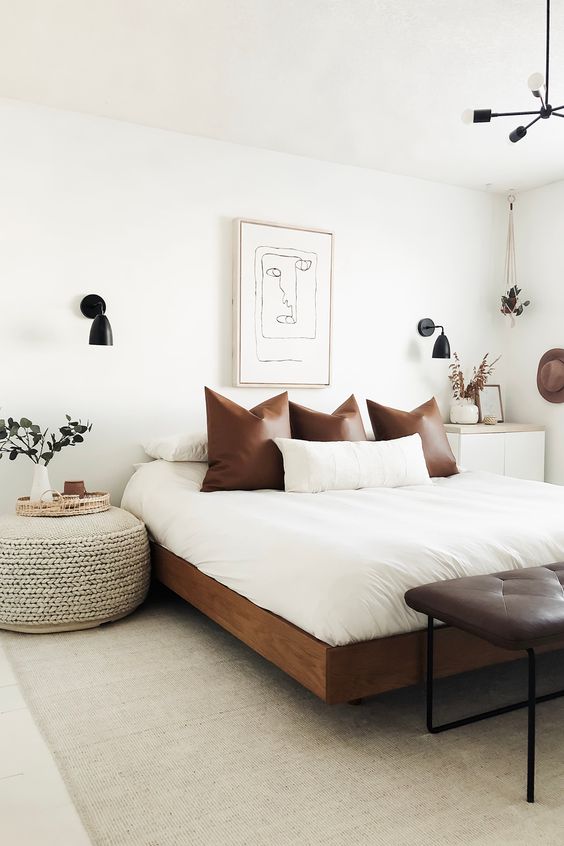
{"points": [[35, 429], [46, 457], [13, 455], [25, 423], [14, 428], [78, 439], [68, 417]]}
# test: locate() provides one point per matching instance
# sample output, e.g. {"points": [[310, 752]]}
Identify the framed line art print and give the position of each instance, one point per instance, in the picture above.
{"points": [[490, 404], [283, 277]]}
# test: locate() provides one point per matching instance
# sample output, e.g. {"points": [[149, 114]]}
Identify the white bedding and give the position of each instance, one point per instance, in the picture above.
{"points": [[338, 563]]}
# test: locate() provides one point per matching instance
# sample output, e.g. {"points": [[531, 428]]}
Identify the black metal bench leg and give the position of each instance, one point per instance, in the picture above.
{"points": [[430, 656], [531, 727], [530, 703]]}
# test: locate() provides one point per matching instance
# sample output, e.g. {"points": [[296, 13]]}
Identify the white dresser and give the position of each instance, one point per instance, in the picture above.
{"points": [[510, 449]]}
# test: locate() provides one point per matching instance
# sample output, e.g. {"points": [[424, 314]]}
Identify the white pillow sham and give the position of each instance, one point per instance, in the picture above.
{"points": [[182, 447], [314, 466]]}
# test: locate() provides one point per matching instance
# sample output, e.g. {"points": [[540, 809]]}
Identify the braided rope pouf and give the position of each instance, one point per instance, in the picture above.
{"points": [[71, 572]]}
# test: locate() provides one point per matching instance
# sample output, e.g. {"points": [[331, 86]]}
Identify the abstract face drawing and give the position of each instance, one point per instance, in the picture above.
{"points": [[288, 283], [282, 305], [286, 299]]}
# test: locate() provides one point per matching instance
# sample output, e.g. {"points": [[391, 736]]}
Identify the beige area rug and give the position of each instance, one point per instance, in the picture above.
{"points": [[169, 732]]}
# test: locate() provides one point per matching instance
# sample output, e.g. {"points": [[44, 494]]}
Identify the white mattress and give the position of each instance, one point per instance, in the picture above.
{"points": [[337, 564]]}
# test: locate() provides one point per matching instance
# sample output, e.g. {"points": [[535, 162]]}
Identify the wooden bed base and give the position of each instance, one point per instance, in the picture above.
{"points": [[334, 673]]}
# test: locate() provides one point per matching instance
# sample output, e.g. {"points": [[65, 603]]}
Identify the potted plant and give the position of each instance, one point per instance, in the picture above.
{"points": [[511, 303], [40, 445], [464, 408]]}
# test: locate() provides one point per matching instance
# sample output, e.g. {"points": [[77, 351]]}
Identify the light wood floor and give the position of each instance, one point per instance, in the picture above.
{"points": [[35, 807]]}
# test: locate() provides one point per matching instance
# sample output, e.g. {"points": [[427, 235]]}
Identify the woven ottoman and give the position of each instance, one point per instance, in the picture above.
{"points": [[63, 573]]}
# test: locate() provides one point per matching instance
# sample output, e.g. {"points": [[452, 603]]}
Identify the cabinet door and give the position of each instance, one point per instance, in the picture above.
{"points": [[483, 452], [524, 455]]}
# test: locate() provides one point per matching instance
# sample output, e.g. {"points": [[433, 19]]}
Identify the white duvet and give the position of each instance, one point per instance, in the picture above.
{"points": [[338, 563]]}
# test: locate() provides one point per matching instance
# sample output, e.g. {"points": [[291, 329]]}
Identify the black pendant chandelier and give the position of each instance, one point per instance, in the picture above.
{"points": [[539, 87]]}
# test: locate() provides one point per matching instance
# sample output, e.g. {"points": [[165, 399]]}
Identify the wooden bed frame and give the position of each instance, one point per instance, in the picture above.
{"points": [[334, 673]]}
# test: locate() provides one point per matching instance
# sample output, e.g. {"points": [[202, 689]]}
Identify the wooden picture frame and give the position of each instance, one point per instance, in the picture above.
{"points": [[282, 333], [490, 403]]}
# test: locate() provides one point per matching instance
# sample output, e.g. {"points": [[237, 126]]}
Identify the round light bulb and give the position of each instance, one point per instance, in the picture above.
{"points": [[535, 81], [468, 116]]}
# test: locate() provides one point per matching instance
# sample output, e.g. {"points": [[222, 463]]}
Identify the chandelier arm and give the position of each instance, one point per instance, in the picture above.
{"points": [[557, 114], [542, 100], [512, 114], [547, 48], [557, 109], [534, 121]]}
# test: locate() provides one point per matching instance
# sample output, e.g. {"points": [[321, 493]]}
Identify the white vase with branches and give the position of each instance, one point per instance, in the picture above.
{"points": [[22, 437], [464, 408]]}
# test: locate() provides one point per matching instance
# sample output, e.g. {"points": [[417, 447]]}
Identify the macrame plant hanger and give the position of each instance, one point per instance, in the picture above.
{"points": [[511, 303]]}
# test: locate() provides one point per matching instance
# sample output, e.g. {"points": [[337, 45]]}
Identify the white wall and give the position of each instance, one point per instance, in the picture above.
{"points": [[539, 228], [143, 217]]}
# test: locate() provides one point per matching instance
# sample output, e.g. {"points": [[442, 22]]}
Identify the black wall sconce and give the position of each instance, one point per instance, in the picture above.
{"points": [[94, 307], [426, 327]]}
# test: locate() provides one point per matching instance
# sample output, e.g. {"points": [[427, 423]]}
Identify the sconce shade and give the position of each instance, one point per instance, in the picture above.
{"points": [[101, 331], [426, 327], [442, 347], [94, 307]]}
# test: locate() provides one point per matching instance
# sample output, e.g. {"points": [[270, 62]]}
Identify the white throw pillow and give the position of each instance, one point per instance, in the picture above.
{"points": [[314, 466], [183, 447]]}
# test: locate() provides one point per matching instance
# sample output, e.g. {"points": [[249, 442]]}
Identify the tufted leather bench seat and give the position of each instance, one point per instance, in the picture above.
{"points": [[515, 609]]}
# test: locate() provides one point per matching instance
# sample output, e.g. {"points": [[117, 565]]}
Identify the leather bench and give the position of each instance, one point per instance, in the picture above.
{"points": [[516, 609]]}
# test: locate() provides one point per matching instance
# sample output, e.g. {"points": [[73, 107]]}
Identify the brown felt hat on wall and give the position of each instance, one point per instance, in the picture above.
{"points": [[550, 376]]}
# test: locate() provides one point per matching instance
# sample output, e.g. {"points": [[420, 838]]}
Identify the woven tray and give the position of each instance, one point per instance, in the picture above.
{"points": [[63, 505]]}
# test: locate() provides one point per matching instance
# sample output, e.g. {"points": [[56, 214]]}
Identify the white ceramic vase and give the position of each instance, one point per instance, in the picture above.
{"points": [[40, 486], [464, 412]]}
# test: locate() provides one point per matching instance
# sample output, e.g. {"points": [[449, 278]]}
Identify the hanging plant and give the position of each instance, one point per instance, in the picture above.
{"points": [[511, 303]]}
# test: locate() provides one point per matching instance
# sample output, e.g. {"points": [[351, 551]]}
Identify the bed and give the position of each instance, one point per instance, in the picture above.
{"points": [[315, 582]]}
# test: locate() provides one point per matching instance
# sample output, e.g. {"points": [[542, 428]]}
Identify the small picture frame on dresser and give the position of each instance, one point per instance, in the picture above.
{"points": [[490, 403]]}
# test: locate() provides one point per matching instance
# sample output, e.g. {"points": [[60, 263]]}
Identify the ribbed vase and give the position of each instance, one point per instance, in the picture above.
{"points": [[40, 486]]}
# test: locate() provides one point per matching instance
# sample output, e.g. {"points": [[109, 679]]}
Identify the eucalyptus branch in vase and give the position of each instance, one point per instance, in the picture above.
{"points": [[39, 445]]}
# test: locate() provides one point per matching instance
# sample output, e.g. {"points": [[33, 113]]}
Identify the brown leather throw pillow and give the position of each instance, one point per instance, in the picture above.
{"points": [[241, 452], [390, 423], [345, 424]]}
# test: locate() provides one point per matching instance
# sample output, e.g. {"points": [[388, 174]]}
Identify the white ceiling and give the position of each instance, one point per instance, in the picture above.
{"points": [[373, 83]]}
